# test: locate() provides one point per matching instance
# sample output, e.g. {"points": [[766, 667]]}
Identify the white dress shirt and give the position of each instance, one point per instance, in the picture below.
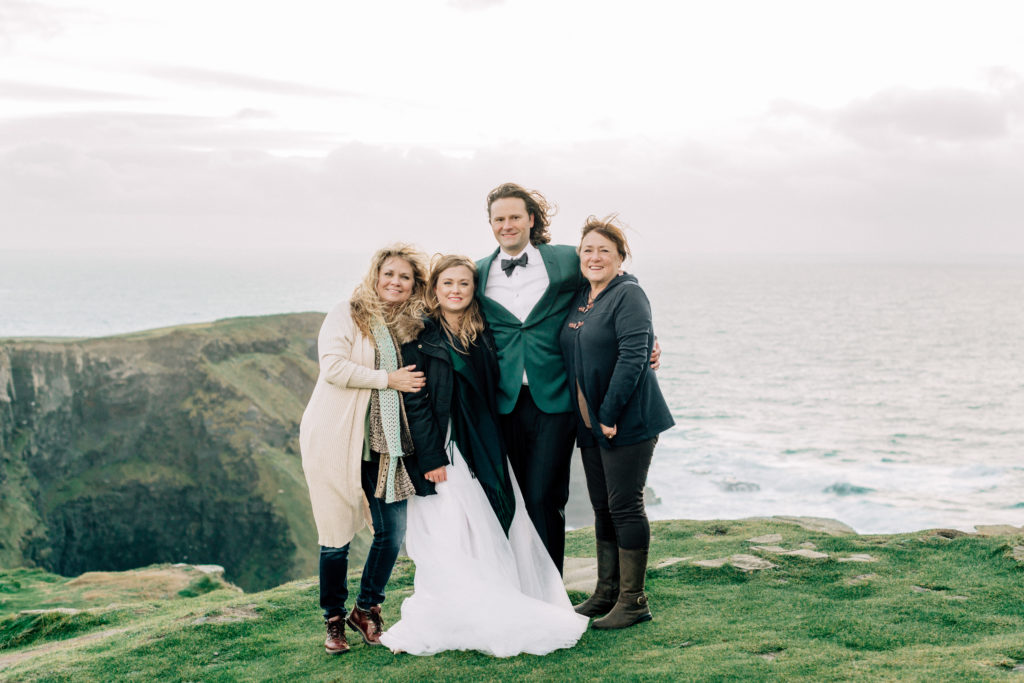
{"points": [[521, 291]]}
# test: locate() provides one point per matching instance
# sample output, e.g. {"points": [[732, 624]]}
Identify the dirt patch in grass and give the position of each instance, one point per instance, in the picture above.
{"points": [[13, 658]]}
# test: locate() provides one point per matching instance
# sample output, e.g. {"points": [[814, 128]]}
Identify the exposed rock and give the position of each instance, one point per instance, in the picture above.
{"points": [[846, 489], [802, 552], [580, 574], [650, 497], [857, 557], [861, 579], [211, 569], [53, 610], [807, 554], [767, 538], [808, 545], [733, 486], [147, 583], [1018, 553], [226, 615], [820, 524], [950, 533], [669, 561], [999, 530], [749, 563], [746, 563], [712, 564]]}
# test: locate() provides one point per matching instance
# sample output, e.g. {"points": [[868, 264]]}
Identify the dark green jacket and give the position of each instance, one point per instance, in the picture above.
{"points": [[533, 345]]}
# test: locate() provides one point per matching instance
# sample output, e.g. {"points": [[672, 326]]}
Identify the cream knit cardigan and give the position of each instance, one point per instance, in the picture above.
{"points": [[332, 429]]}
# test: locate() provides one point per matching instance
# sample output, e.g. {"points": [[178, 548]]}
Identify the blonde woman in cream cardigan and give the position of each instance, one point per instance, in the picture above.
{"points": [[355, 442]]}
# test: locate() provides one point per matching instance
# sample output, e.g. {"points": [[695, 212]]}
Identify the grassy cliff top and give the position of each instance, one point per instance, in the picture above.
{"points": [[931, 605], [208, 327]]}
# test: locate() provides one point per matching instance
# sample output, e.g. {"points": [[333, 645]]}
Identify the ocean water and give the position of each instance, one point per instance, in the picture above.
{"points": [[889, 396]]}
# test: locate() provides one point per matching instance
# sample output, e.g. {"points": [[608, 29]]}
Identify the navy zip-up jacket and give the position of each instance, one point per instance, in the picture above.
{"points": [[607, 349]]}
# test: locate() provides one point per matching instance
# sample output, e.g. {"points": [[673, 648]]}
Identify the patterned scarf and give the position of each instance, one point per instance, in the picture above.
{"points": [[390, 407]]}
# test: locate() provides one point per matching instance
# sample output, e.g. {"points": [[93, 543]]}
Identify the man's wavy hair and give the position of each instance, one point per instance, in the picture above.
{"points": [[405, 320], [536, 205], [472, 323]]}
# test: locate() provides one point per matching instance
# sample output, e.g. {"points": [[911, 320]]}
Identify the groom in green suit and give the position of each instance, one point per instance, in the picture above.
{"points": [[525, 289]]}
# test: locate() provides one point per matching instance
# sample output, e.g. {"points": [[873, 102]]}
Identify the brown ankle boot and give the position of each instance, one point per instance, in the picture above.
{"points": [[336, 644], [607, 590], [631, 607], [366, 623]]}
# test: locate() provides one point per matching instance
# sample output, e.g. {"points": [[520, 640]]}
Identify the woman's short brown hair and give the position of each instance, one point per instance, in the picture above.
{"points": [[611, 228]]}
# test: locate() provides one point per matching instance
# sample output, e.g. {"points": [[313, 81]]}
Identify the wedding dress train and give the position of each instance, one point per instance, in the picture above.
{"points": [[474, 588]]}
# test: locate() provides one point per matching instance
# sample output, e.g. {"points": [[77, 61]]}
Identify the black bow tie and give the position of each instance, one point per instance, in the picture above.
{"points": [[509, 264]]}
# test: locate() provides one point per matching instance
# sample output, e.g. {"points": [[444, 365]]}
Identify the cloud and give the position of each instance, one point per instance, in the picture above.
{"points": [[113, 130], [903, 115], [38, 92], [206, 78], [749, 196], [905, 173], [473, 5], [250, 113], [940, 114], [19, 18]]}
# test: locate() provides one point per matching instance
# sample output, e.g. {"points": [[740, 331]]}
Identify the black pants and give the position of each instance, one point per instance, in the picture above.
{"points": [[615, 481], [539, 451]]}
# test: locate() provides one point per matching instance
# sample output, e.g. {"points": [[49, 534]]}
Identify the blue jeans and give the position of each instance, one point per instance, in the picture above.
{"points": [[388, 534]]}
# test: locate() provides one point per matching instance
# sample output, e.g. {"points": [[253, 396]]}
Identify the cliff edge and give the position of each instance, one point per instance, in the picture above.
{"points": [[172, 445]]}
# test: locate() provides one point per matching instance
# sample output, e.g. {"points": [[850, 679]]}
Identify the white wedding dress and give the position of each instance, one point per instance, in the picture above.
{"points": [[474, 588]]}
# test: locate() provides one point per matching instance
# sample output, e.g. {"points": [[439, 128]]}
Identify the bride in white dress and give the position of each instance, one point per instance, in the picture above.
{"points": [[484, 580]]}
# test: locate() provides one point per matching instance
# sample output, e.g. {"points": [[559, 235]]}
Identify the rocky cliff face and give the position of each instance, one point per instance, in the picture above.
{"points": [[164, 446]]}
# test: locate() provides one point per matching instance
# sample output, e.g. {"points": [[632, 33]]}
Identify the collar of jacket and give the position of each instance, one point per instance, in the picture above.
{"points": [[432, 340], [617, 281]]}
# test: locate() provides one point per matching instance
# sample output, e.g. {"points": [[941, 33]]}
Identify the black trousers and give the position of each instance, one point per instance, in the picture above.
{"points": [[615, 481], [539, 451]]}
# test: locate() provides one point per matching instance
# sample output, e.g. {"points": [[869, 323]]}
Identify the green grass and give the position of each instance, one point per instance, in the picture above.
{"points": [[24, 589], [930, 608]]}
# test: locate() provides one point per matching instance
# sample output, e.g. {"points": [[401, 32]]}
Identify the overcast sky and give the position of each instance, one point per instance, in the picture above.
{"points": [[869, 128]]}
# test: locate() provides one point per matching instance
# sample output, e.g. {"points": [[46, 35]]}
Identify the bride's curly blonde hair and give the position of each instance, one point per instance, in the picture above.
{"points": [[472, 322], [405, 320]]}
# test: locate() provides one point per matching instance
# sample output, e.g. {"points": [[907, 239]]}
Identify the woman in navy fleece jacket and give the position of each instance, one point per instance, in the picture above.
{"points": [[607, 341]]}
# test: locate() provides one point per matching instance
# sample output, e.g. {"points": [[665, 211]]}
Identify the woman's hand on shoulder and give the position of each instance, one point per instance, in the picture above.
{"points": [[437, 476], [406, 379]]}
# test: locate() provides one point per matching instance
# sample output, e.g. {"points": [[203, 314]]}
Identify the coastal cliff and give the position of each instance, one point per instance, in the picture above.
{"points": [[172, 445]]}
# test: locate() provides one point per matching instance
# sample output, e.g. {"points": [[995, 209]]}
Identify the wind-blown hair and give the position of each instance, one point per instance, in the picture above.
{"points": [[472, 322], [611, 228], [405, 320], [536, 206]]}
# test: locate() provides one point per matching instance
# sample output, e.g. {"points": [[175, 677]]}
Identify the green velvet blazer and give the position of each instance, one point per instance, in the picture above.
{"points": [[532, 345]]}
